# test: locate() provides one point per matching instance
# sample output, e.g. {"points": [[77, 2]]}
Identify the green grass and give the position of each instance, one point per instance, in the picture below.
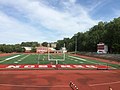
{"points": [[104, 63], [43, 59]]}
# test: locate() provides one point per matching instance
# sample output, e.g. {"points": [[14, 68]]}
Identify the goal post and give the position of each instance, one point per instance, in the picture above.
{"points": [[56, 55]]}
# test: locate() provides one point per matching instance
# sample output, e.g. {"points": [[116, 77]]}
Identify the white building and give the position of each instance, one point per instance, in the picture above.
{"points": [[28, 49]]}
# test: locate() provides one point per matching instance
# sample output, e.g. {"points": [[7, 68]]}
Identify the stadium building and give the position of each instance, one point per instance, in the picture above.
{"points": [[42, 49]]}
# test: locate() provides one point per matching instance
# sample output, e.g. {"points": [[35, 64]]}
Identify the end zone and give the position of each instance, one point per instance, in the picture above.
{"points": [[50, 66]]}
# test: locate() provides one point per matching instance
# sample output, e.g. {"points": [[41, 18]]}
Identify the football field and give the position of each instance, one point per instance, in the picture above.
{"points": [[42, 59], [13, 77]]}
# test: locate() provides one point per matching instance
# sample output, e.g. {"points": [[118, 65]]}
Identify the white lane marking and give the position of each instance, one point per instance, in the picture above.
{"points": [[10, 58], [100, 84], [24, 57], [15, 62], [82, 59], [19, 60], [80, 62], [35, 86], [78, 58]]}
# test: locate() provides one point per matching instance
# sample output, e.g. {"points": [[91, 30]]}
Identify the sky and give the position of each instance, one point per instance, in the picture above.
{"points": [[51, 20]]}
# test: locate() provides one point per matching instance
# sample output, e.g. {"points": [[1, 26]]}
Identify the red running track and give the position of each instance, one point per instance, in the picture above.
{"points": [[59, 79]]}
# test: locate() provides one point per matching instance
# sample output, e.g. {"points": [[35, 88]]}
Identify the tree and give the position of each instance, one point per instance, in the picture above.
{"points": [[45, 44], [33, 49], [106, 32], [60, 44], [30, 44]]}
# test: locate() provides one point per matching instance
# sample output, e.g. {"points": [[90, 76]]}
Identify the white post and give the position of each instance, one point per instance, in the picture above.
{"points": [[64, 57], [56, 62], [64, 53]]}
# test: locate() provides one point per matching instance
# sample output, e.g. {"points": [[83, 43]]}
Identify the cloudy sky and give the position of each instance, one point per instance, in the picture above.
{"points": [[51, 20]]}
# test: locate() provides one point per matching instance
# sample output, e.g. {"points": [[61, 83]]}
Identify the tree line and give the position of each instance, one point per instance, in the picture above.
{"points": [[106, 32], [18, 47]]}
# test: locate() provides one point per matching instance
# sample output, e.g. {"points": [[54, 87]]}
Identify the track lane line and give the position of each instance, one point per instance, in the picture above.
{"points": [[100, 84], [35, 86]]}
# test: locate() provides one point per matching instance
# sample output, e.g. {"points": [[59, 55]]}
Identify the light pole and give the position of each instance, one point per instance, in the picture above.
{"points": [[75, 43], [48, 51]]}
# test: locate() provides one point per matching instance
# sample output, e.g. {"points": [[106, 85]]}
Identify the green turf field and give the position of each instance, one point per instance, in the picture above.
{"points": [[43, 59]]}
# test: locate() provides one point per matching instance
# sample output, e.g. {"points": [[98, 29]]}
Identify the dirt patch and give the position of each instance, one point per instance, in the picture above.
{"points": [[5, 54]]}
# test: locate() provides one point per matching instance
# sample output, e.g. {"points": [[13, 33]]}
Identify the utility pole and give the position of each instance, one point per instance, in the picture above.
{"points": [[48, 51], [75, 43]]}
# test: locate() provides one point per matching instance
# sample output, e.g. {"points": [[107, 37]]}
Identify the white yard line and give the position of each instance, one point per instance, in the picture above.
{"points": [[23, 57], [35, 86], [90, 61], [100, 84], [80, 62], [78, 58], [19, 60], [10, 58], [82, 59], [15, 62]]}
